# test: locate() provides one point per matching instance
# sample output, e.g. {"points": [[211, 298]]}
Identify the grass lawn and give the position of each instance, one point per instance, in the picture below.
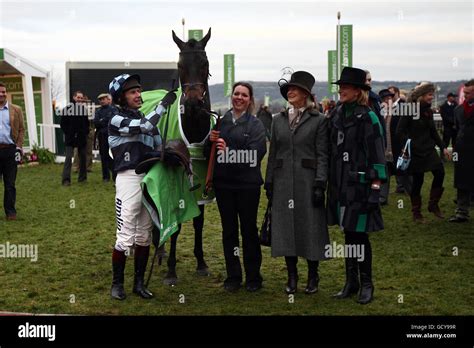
{"points": [[73, 272]]}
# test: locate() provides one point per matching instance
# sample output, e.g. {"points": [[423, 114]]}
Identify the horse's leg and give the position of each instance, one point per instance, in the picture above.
{"points": [[171, 277], [198, 224]]}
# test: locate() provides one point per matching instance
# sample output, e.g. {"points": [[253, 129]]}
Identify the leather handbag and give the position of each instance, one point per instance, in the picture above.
{"points": [[404, 159]]}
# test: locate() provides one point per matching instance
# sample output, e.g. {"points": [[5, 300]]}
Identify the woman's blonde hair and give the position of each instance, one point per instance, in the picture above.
{"points": [[363, 98]]}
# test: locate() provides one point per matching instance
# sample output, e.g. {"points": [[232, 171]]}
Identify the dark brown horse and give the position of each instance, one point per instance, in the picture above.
{"points": [[193, 69]]}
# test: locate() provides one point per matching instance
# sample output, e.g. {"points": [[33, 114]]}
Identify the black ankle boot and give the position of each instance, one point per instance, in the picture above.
{"points": [[118, 267], [352, 279], [313, 277], [366, 286], [141, 260], [292, 283]]}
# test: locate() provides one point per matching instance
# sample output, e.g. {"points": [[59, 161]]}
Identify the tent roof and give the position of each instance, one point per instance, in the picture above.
{"points": [[11, 63]]}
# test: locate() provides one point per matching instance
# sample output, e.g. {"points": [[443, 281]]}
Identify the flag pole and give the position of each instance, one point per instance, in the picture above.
{"points": [[338, 69]]}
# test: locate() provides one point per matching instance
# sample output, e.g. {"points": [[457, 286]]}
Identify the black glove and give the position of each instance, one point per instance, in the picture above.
{"points": [[373, 201], [169, 98], [268, 191], [318, 197]]}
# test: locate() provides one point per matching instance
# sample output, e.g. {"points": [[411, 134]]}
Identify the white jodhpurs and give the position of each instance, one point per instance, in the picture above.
{"points": [[134, 224]]}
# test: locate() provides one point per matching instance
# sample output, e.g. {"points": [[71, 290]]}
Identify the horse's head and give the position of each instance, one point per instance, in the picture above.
{"points": [[193, 67]]}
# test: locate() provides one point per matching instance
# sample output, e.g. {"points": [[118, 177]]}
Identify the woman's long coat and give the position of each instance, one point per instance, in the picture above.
{"points": [[357, 158], [424, 136], [297, 163], [464, 150]]}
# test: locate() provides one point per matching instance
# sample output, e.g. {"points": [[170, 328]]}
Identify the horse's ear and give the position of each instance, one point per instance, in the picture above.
{"points": [[178, 41], [206, 38]]}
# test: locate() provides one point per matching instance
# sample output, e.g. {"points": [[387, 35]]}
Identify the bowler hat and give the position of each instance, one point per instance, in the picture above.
{"points": [[353, 76], [301, 79], [451, 94], [385, 93]]}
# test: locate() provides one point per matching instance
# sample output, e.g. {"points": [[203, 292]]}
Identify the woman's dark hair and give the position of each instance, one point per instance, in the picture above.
{"points": [[250, 88]]}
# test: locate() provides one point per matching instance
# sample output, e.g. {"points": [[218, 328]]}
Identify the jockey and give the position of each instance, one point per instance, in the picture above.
{"points": [[131, 135]]}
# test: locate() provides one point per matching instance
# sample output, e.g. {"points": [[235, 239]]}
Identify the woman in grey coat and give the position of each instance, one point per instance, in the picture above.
{"points": [[296, 180]]}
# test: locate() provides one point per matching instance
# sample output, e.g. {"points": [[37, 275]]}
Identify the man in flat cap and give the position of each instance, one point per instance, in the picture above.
{"points": [[102, 117]]}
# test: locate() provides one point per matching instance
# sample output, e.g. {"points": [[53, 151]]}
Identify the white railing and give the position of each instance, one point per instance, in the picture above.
{"points": [[53, 134]]}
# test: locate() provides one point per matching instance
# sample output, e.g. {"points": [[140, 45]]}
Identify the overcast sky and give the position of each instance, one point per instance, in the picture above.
{"points": [[396, 40]]}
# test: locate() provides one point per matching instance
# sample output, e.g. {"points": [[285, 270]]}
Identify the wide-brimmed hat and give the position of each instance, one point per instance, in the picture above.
{"points": [[386, 93], [300, 79], [353, 76]]}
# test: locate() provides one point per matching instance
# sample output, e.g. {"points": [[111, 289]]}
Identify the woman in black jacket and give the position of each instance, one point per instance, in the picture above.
{"points": [[237, 179], [424, 137]]}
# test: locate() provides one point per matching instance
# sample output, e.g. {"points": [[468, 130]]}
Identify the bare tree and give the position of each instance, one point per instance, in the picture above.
{"points": [[57, 84]]}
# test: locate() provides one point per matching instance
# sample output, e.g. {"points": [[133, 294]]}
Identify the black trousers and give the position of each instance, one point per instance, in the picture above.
{"points": [[234, 206], [82, 163], [106, 160], [463, 202], [418, 178], [8, 169]]}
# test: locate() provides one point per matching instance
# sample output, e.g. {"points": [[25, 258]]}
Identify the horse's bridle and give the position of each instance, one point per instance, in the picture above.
{"points": [[195, 84]]}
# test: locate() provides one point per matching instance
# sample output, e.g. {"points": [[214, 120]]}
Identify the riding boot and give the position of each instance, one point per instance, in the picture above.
{"points": [[291, 262], [352, 279], [416, 209], [435, 196], [365, 269], [118, 267], [313, 277], [141, 260]]}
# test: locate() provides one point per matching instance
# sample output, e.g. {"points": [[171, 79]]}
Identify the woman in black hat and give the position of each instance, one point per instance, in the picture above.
{"points": [[296, 180], [357, 169]]}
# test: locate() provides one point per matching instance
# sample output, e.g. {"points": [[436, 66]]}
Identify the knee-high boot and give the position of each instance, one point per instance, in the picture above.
{"points": [[365, 269], [435, 196], [352, 279], [141, 260], [118, 267]]}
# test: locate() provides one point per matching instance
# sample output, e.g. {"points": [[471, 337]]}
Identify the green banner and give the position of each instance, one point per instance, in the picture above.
{"points": [[332, 71], [345, 46], [1, 54], [229, 74], [195, 34]]}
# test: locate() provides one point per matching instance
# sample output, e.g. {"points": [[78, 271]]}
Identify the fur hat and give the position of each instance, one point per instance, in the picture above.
{"points": [[421, 90]]}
